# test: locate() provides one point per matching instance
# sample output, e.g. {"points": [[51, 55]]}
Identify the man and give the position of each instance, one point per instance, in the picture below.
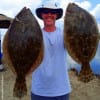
{"points": [[50, 81]]}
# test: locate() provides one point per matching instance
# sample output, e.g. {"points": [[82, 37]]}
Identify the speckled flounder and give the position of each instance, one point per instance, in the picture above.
{"points": [[23, 48], [81, 38]]}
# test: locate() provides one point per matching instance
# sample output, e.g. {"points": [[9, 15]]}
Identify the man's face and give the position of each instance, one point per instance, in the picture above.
{"points": [[49, 18]]}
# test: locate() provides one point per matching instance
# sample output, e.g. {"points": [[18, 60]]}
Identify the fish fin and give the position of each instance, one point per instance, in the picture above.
{"points": [[86, 73], [20, 89]]}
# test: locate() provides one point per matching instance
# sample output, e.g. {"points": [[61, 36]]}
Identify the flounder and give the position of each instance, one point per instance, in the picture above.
{"points": [[81, 37], [23, 48]]}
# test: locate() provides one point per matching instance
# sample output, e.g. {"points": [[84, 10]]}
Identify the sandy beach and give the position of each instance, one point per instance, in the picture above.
{"points": [[80, 91]]}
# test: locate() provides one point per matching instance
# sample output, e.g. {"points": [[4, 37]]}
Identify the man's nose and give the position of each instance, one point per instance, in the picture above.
{"points": [[49, 14]]}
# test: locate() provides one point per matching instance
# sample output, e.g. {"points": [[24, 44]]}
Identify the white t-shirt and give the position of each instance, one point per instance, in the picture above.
{"points": [[51, 77]]}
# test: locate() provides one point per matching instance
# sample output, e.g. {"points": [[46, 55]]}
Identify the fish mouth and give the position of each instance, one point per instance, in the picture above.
{"points": [[23, 15], [72, 8], [25, 8]]}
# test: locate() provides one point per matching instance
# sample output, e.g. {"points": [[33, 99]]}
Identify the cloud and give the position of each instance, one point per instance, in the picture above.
{"points": [[84, 4], [96, 11], [99, 27], [12, 7], [64, 3]]}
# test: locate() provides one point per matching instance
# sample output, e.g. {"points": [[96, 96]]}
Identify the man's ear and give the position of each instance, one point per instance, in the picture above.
{"points": [[41, 15], [56, 15]]}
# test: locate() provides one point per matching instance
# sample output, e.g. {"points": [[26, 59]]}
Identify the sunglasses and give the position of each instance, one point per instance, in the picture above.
{"points": [[49, 11]]}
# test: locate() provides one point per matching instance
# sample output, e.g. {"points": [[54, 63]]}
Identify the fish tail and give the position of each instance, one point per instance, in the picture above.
{"points": [[86, 73], [20, 88]]}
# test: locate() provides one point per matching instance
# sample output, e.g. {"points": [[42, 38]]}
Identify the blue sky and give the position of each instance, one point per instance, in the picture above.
{"points": [[94, 2], [12, 7]]}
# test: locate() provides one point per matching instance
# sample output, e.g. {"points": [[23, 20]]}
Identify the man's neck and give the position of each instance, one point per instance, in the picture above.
{"points": [[49, 29]]}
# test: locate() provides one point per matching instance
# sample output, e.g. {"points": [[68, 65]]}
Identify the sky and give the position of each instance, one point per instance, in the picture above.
{"points": [[12, 7]]}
